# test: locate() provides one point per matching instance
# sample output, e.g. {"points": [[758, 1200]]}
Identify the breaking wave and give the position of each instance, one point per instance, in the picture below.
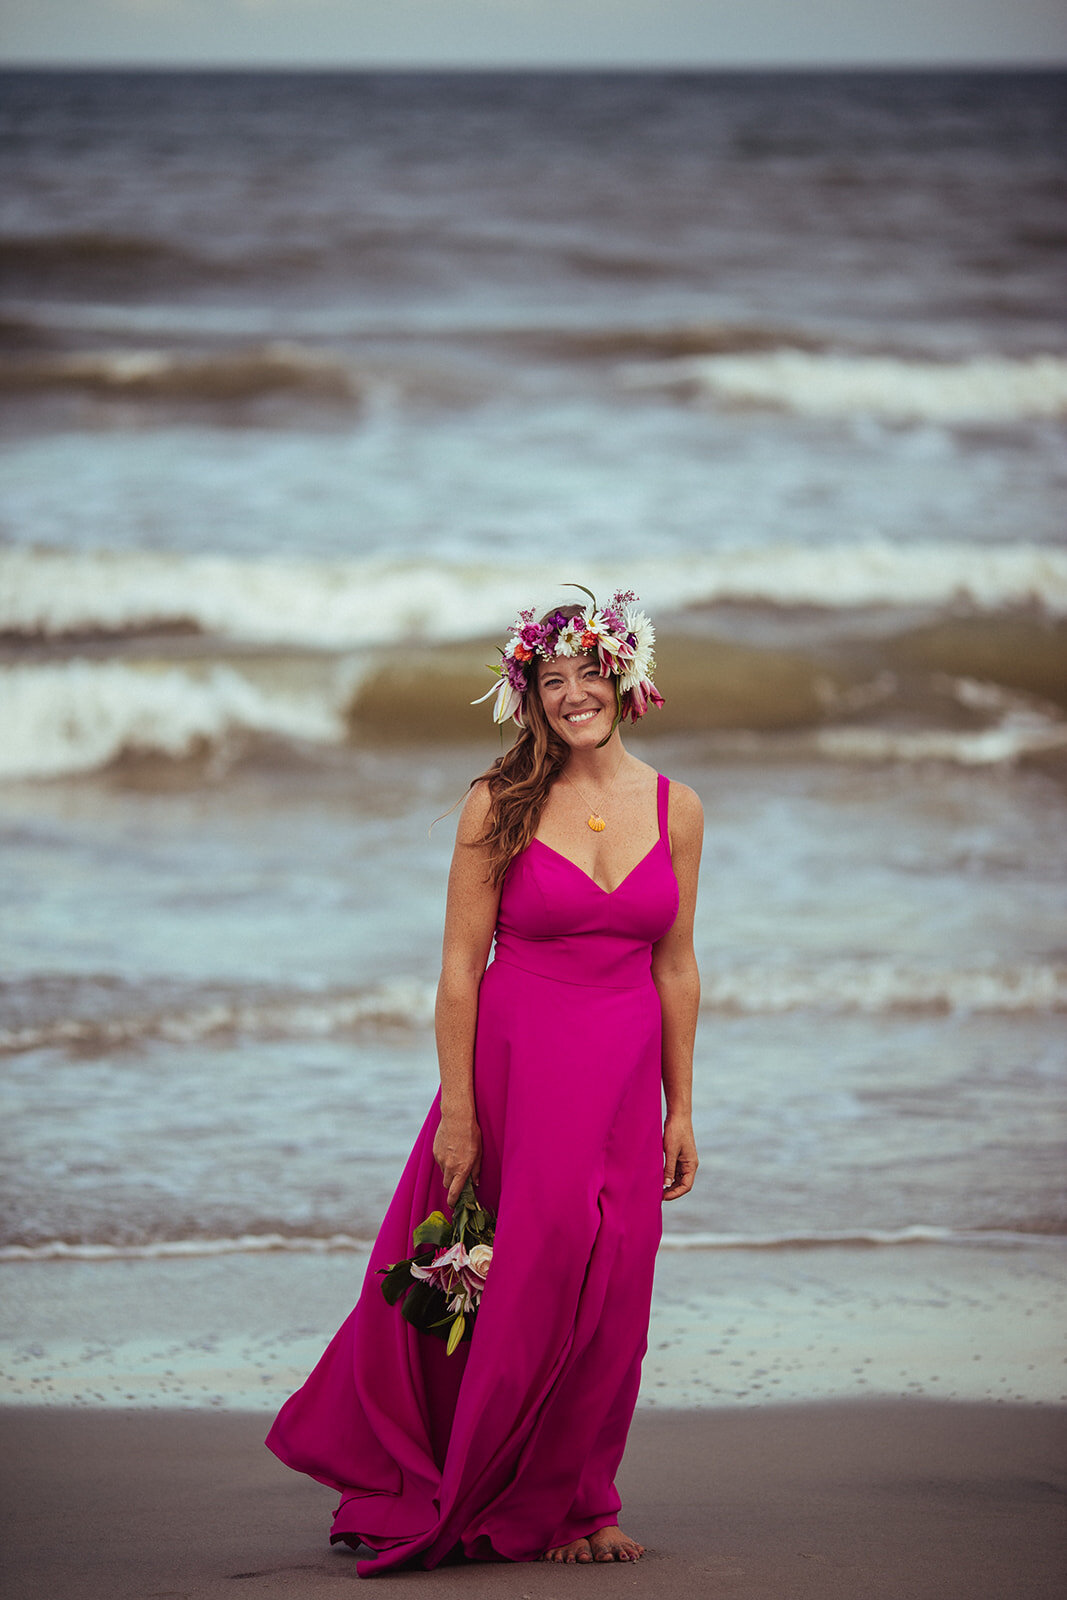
{"points": [[1001, 746], [987, 389], [223, 377], [917, 1234], [885, 987], [326, 653], [338, 604], [68, 717], [406, 1002], [80, 716], [874, 987]]}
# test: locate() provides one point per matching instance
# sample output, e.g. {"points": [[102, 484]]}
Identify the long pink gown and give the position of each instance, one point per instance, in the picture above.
{"points": [[511, 1445]]}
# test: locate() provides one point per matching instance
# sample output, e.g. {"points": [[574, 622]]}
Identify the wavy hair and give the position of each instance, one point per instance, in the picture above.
{"points": [[520, 779]]}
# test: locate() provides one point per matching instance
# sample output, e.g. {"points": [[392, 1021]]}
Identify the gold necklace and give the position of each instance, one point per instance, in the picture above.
{"points": [[595, 820]]}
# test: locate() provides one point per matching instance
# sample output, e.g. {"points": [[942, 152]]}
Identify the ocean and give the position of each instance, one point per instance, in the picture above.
{"points": [[308, 383]]}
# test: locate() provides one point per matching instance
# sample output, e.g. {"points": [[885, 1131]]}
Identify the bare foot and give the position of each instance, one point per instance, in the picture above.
{"points": [[611, 1544], [577, 1550]]}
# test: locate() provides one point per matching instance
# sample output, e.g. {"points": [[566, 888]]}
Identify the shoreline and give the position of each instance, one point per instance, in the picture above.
{"points": [[831, 1501], [729, 1328]]}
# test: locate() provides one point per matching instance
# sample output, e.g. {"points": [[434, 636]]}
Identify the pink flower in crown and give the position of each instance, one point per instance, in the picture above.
{"points": [[614, 651]]}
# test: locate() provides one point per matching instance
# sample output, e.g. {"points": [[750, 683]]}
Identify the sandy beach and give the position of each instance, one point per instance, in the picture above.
{"points": [[875, 1499], [832, 1423]]}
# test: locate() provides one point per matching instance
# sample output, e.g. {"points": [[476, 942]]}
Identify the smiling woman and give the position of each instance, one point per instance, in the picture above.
{"points": [[577, 863], [590, 670]]}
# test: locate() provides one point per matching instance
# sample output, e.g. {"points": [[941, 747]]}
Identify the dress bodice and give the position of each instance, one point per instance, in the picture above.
{"points": [[554, 920]]}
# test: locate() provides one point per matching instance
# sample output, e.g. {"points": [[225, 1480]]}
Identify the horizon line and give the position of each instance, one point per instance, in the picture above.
{"points": [[621, 67]]}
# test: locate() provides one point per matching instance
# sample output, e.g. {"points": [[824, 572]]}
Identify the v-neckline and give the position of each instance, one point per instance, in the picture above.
{"points": [[588, 876]]}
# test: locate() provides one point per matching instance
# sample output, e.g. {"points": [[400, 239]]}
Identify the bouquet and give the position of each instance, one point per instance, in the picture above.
{"points": [[439, 1288]]}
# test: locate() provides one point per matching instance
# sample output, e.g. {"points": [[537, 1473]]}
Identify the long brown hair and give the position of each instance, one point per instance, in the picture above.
{"points": [[520, 779]]}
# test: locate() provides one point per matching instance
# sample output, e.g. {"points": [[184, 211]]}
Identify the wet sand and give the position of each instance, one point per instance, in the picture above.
{"points": [[729, 1327], [832, 1501]]}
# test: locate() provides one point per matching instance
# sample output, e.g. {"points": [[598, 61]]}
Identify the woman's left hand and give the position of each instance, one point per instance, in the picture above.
{"points": [[679, 1157]]}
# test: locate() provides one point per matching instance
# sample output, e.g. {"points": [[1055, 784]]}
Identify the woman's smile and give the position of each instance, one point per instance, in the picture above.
{"points": [[575, 679]]}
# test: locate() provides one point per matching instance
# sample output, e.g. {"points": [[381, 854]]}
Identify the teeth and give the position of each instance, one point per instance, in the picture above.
{"points": [[581, 716]]}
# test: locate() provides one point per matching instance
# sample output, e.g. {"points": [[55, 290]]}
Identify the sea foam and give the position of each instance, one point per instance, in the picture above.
{"points": [[989, 389], [879, 986], [338, 604], [79, 716], [914, 1234]]}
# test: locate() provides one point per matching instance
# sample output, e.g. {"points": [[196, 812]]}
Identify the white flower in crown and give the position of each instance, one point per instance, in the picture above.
{"points": [[640, 667], [569, 639]]}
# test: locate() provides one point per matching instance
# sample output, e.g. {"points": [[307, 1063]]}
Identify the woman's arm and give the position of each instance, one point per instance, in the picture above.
{"points": [[470, 918], [674, 972]]}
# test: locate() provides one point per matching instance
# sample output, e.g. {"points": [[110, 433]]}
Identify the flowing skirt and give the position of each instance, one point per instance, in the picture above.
{"points": [[510, 1445]]}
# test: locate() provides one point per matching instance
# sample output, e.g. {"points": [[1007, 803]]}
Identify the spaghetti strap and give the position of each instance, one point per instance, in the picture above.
{"points": [[663, 790]]}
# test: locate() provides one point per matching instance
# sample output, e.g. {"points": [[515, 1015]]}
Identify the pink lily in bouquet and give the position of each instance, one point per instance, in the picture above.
{"points": [[440, 1287]]}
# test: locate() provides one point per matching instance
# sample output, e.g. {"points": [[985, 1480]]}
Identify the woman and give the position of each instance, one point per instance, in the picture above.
{"points": [[581, 863]]}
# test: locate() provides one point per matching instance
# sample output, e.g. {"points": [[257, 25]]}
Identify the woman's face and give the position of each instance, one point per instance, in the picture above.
{"points": [[578, 703]]}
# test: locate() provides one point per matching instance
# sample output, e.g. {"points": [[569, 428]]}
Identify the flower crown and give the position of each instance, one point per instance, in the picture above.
{"points": [[622, 637]]}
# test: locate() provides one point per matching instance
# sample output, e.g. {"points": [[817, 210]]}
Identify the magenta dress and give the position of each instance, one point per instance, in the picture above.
{"points": [[510, 1446]]}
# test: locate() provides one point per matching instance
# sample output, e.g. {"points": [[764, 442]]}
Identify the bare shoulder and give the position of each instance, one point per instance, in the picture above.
{"points": [[686, 811], [472, 818]]}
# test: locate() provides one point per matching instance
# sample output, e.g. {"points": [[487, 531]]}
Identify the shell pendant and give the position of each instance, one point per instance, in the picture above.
{"points": [[596, 823]]}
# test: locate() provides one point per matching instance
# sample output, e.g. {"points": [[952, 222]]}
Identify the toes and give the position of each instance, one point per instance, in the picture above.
{"points": [[569, 1554], [623, 1549]]}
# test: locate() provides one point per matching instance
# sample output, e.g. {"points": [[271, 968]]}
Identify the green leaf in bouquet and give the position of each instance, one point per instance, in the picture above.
{"points": [[422, 1306], [434, 1230], [396, 1281]]}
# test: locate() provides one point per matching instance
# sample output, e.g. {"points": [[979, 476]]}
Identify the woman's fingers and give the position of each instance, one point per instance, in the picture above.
{"points": [[683, 1182], [454, 1175], [679, 1167], [459, 1157]]}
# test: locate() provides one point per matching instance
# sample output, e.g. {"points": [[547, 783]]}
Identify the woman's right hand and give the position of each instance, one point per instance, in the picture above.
{"points": [[457, 1149]]}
